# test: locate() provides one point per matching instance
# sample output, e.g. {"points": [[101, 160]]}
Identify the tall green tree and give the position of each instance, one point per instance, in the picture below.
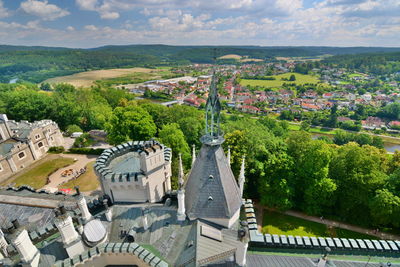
{"points": [[130, 123]]}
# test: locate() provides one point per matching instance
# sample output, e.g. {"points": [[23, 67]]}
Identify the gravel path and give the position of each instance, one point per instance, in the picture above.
{"points": [[81, 161]]}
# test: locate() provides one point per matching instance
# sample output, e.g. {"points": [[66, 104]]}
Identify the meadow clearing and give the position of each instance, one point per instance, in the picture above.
{"points": [[88, 78], [278, 82]]}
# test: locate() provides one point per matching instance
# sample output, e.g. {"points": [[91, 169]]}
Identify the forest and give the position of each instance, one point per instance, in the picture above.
{"points": [[375, 63], [36, 64], [345, 180]]}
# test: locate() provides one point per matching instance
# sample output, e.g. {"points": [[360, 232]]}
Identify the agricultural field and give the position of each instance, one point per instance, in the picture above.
{"points": [[88, 78], [240, 58], [278, 82], [36, 174], [281, 224]]}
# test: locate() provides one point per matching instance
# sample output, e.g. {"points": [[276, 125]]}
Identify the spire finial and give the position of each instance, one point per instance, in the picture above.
{"points": [[213, 135], [193, 154], [180, 172], [241, 176]]}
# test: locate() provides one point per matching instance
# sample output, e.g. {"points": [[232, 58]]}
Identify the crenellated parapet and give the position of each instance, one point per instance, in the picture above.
{"points": [[136, 166]]}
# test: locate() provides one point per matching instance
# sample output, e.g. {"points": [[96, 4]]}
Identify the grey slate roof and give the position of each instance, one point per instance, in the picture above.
{"points": [[204, 250], [222, 187]]}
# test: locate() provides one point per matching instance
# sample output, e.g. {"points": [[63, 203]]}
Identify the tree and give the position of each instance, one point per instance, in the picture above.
{"points": [[358, 173], [193, 129], [130, 123], [172, 136], [73, 128], [45, 87], [385, 208], [305, 126], [292, 78]]}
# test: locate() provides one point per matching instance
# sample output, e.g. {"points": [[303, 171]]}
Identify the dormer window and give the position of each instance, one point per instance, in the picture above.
{"points": [[210, 198], [210, 177]]}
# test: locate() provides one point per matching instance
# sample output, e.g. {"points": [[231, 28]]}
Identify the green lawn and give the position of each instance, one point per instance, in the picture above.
{"points": [[281, 224], [300, 79], [86, 182], [36, 175]]}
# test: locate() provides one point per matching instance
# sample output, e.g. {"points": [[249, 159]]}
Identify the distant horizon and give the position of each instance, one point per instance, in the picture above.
{"points": [[194, 45], [94, 23]]}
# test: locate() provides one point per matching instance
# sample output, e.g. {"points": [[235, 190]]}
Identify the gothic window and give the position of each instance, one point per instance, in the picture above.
{"points": [[21, 155], [40, 144]]}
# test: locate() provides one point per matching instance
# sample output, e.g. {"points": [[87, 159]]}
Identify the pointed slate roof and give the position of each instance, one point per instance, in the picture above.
{"points": [[211, 188]]}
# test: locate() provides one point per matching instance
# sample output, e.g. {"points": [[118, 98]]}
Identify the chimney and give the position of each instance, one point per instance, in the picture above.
{"points": [[78, 192], [62, 209], [108, 210], [30, 255], [86, 216], [71, 239], [16, 224]]}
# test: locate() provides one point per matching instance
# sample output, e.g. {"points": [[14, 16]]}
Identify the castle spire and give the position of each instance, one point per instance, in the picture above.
{"points": [[213, 134]]}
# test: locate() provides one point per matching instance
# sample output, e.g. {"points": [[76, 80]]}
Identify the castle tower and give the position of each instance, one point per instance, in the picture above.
{"points": [[211, 190]]}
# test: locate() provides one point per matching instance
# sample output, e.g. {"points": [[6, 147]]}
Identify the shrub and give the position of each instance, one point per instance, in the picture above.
{"points": [[56, 149], [85, 150], [73, 128]]}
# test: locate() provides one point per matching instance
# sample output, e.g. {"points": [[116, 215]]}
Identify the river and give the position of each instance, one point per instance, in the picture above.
{"points": [[389, 147]]}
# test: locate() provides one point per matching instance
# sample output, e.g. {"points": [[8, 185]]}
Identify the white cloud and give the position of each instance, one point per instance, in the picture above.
{"points": [[90, 28], [70, 28], [3, 11], [43, 9], [109, 15], [107, 9]]}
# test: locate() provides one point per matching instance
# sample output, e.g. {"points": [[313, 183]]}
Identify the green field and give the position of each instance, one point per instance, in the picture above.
{"points": [[281, 224], [86, 182], [300, 79], [36, 174]]}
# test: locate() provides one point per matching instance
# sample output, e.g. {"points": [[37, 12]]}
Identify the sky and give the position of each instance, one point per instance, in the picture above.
{"points": [[93, 23]]}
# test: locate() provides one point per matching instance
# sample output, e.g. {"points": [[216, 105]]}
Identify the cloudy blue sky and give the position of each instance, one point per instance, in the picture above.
{"points": [[92, 23]]}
